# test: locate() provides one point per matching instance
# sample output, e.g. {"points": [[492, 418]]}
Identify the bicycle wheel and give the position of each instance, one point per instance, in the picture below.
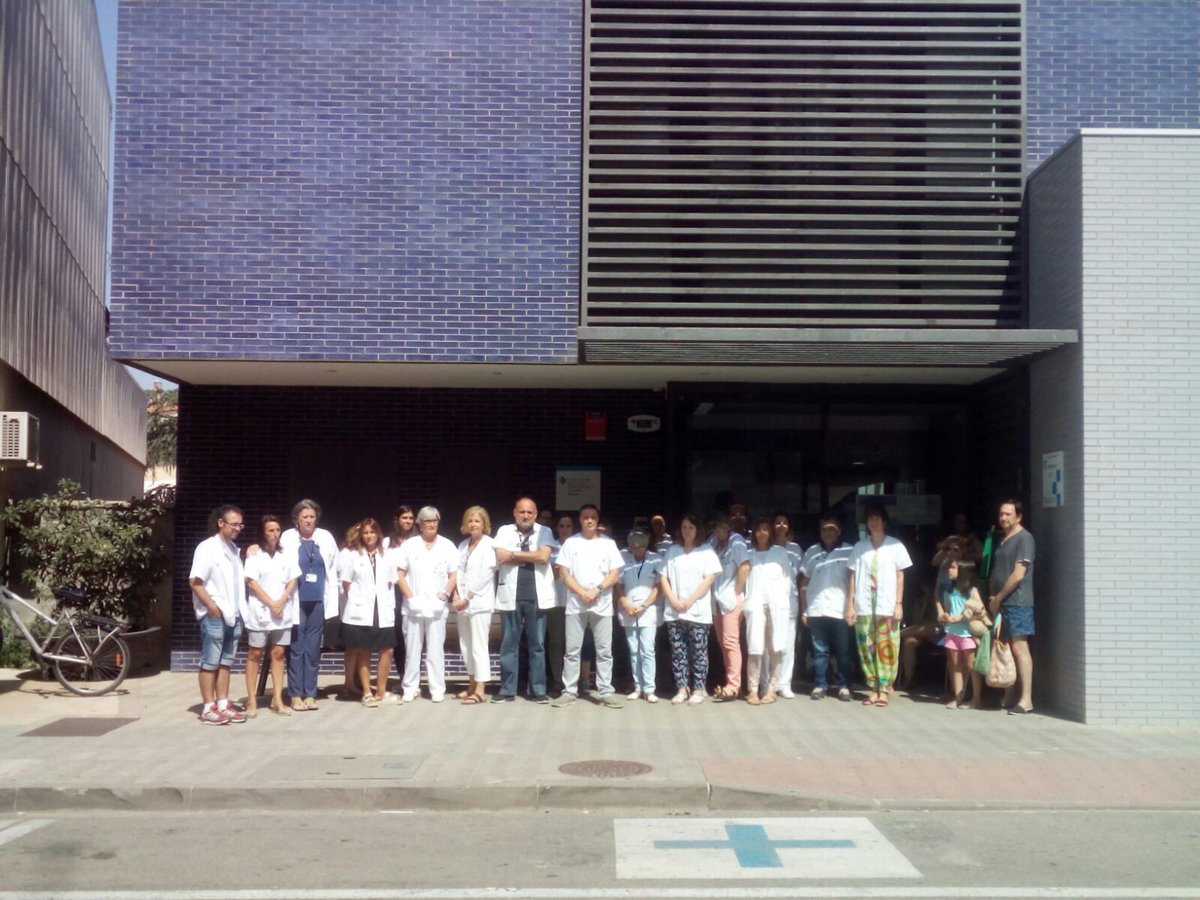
{"points": [[108, 667]]}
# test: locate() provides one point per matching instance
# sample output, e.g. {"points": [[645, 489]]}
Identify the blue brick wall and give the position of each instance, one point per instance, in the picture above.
{"points": [[318, 179], [1109, 63]]}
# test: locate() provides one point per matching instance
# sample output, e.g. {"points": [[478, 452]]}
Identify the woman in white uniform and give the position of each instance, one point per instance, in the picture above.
{"points": [[475, 600], [768, 602], [690, 569], [368, 621], [427, 572]]}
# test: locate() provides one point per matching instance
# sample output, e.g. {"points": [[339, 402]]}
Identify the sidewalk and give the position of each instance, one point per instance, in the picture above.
{"points": [[794, 755]]}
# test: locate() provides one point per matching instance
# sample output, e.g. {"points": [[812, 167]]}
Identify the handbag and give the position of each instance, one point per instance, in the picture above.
{"points": [[1002, 670]]}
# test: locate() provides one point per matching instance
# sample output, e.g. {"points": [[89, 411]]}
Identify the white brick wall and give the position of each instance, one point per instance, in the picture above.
{"points": [[1125, 406]]}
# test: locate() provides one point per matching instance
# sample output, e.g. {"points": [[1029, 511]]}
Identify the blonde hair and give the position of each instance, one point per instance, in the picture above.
{"points": [[477, 511]]}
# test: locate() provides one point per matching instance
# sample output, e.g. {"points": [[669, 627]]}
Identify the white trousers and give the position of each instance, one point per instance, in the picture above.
{"points": [[431, 633], [787, 659], [473, 643]]}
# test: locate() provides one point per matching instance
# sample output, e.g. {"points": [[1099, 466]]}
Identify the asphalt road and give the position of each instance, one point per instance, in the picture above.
{"points": [[555, 854]]}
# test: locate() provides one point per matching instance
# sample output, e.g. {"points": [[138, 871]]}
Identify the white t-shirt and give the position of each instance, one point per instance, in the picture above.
{"points": [[219, 566], [589, 561], [638, 579], [477, 575], [370, 587], [685, 571], [875, 575], [732, 557], [427, 570], [828, 580], [272, 574]]}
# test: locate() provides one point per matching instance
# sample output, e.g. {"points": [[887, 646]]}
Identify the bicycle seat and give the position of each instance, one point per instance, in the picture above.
{"points": [[72, 596]]}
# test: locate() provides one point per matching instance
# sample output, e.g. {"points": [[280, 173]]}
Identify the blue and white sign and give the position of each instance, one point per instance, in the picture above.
{"points": [[806, 848], [1053, 493]]}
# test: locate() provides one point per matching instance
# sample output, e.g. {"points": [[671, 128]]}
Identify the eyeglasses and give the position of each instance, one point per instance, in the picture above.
{"points": [[238, 525]]}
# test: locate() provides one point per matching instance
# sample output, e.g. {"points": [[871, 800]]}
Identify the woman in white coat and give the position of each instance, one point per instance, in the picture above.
{"points": [[316, 556], [427, 574], [369, 619], [768, 606], [475, 600]]}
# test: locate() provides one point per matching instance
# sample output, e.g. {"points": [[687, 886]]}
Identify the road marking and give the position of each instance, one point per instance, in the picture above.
{"points": [[797, 848], [751, 846], [11, 829], [968, 892]]}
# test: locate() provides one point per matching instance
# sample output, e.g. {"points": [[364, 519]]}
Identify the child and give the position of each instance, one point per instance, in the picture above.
{"points": [[959, 644], [768, 590]]}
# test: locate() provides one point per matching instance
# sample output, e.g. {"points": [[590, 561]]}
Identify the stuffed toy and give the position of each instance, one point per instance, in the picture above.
{"points": [[975, 615]]}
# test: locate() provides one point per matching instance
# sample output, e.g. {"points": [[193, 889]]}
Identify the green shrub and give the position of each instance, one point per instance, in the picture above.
{"points": [[105, 548]]}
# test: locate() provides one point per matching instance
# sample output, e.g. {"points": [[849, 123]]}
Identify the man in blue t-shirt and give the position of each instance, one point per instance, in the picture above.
{"points": [[1011, 593]]}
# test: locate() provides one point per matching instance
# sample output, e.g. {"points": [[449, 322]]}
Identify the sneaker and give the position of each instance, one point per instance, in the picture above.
{"points": [[234, 715], [438, 699], [818, 693], [564, 700], [651, 697], [844, 695], [503, 698], [213, 716], [389, 697], [541, 698], [407, 698], [786, 693], [634, 695], [696, 699], [611, 702]]}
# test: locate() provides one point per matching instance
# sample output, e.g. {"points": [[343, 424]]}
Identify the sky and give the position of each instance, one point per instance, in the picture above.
{"points": [[106, 12]]}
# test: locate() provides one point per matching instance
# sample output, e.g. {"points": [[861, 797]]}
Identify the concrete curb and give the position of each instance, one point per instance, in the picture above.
{"points": [[532, 797]]}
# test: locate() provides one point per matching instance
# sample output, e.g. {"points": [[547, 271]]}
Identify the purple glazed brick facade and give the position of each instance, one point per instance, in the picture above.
{"points": [[365, 181], [1106, 64]]}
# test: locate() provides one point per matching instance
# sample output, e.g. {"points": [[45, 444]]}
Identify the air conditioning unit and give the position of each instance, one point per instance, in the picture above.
{"points": [[18, 438]]}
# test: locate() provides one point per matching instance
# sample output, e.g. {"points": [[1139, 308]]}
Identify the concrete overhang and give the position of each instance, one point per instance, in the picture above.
{"points": [[889, 349], [650, 361]]}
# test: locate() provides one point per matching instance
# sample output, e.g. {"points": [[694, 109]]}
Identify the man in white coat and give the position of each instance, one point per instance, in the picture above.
{"points": [[526, 591]]}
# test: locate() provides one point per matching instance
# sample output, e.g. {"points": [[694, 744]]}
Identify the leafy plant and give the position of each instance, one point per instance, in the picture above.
{"points": [[162, 420], [106, 548]]}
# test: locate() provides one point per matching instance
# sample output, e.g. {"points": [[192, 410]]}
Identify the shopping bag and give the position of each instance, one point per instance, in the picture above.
{"points": [[1002, 670], [983, 653]]}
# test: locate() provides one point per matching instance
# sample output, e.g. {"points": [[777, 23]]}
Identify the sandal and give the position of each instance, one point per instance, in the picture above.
{"points": [[470, 700], [280, 710], [370, 701], [882, 701], [680, 697], [298, 704], [752, 699], [769, 697], [310, 703]]}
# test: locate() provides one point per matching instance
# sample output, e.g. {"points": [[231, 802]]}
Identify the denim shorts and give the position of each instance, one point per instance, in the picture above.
{"points": [[218, 643], [1018, 621]]}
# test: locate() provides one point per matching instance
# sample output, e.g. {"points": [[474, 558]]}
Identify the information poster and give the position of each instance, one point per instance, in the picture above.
{"points": [[575, 486], [1052, 479]]}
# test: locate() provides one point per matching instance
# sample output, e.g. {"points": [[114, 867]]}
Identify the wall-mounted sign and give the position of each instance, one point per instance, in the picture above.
{"points": [[595, 426], [644, 424], [1052, 479], [575, 486]]}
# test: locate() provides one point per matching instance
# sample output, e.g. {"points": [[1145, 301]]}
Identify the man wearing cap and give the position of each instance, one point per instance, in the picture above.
{"points": [[823, 585]]}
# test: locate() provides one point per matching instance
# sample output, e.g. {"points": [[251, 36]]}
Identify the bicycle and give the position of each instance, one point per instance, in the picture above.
{"points": [[90, 656]]}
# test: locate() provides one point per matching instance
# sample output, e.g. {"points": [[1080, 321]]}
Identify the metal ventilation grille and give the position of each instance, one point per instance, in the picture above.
{"points": [[802, 163]]}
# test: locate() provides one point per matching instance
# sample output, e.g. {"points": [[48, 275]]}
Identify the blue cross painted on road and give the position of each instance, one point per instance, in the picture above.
{"points": [[753, 848]]}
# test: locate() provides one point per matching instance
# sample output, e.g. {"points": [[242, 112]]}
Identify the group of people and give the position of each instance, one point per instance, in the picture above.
{"points": [[561, 589]]}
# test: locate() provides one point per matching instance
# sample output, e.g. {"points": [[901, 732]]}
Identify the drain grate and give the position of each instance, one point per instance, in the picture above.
{"points": [[79, 727], [605, 768]]}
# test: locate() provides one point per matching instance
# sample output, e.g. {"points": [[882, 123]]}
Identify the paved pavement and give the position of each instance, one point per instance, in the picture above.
{"points": [[794, 755]]}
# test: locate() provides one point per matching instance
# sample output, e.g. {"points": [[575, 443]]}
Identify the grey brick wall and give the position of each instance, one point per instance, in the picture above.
{"points": [[1123, 405]]}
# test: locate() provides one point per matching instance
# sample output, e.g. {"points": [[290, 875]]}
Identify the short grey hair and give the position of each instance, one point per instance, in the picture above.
{"points": [[427, 513], [637, 538], [306, 504]]}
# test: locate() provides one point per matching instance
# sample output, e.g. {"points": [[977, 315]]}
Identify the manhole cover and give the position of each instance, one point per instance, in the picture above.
{"points": [[605, 768], [79, 727]]}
